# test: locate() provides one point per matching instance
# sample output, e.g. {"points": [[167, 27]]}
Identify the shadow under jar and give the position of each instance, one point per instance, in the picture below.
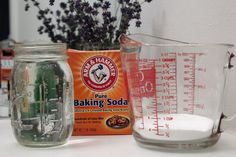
{"points": [[42, 111]]}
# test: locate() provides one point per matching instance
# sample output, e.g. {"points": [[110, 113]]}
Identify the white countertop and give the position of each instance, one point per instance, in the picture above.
{"points": [[105, 146]]}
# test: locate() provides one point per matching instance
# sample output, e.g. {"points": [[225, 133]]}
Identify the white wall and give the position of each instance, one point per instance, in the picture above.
{"points": [[24, 25], [191, 20], [186, 20]]}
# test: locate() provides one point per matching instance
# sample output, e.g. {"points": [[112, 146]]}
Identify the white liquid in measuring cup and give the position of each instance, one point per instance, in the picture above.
{"points": [[181, 127]]}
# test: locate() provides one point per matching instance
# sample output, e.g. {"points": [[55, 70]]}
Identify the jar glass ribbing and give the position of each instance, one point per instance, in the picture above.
{"points": [[42, 112]]}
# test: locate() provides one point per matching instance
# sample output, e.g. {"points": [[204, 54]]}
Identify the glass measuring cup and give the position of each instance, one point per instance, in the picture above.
{"points": [[176, 91]]}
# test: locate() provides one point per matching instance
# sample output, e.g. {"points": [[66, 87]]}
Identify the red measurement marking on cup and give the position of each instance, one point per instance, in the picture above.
{"points": [[147, 86], [167, 103], [167, 82], [189, 61], [191, 75], [157, 83], [144, 82], [134, 79], [143, 93]]}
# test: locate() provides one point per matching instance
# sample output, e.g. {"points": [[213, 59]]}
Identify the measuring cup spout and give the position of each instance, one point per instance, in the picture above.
{"points": [[125, 41]]}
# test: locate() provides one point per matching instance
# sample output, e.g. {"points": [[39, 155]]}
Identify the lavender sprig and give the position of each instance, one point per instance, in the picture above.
{"points": [[78, 22]]}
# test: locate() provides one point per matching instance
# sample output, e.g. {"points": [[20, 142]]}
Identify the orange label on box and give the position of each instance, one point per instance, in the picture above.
{"points": [[101, 97]]}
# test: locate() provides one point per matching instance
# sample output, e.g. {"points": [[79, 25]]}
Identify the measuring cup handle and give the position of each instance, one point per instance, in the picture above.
{"points": [[231, 56], [228, 123]]}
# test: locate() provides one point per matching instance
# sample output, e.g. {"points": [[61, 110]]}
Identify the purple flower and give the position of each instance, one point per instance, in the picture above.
{"points": [[83, 24]]}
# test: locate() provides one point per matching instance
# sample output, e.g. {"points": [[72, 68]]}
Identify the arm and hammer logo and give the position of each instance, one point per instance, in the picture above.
{"points": [[99, 73]]}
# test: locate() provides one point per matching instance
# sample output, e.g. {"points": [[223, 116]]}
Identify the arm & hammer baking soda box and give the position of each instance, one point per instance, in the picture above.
{"points": [[100, 93]]}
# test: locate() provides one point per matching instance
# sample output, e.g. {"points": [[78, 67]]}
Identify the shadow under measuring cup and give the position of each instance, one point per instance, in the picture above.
{"points": [[176, 90]]}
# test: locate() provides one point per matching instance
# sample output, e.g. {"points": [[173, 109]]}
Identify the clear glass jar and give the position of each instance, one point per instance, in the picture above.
{"points": [[41, 95]]}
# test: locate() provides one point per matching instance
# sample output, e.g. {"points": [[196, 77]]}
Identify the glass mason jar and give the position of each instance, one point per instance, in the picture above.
{"points": [[41, 95]]}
